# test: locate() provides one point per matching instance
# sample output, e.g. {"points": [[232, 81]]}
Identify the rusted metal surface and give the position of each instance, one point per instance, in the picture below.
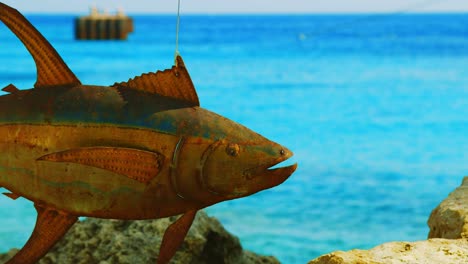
{"points": [[140, 149]]}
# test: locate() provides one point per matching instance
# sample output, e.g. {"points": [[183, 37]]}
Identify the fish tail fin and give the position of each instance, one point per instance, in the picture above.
{"points": [[51, 69]]}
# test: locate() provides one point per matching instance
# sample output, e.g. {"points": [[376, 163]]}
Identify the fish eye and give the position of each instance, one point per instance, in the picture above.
{"points": [[232, 149]]}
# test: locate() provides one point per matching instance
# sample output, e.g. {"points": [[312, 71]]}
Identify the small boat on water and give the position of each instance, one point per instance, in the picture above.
{"points": [[103, 26]]}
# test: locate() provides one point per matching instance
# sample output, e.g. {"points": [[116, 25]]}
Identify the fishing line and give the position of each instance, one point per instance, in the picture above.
{"points": [[177, 33]]}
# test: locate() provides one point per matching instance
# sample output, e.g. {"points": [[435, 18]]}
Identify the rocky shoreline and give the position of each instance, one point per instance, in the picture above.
{"points": [[114, 241], [447, 240]]}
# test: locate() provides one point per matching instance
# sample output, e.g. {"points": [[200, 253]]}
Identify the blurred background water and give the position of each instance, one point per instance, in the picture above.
{"points": [[374, 107]]}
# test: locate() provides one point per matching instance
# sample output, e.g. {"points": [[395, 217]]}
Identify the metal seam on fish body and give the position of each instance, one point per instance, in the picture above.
{"points": [[173, 167], [201, 177]]}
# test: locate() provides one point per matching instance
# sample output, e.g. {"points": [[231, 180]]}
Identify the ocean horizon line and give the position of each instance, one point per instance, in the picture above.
{"points": [[260, 14]]}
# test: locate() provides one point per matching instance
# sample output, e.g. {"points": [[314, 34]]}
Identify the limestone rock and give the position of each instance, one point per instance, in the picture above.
{"points": [[114, 241], [421, 252], [450, 218], [448, 241]]}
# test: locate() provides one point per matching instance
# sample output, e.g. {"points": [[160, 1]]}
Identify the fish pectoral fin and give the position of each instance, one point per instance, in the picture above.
{"points": [[51, 225], [174, 236], [51, 69], [174, 82], [136, 164], [12, 195]]}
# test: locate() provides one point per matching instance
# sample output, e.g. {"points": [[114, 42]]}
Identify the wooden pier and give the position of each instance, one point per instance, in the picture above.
{"points": [[103, 26]]}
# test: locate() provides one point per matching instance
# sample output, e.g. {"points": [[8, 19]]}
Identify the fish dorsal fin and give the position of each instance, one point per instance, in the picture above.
{"points": [[51, 69], [174, 82], [51, 225], [135, 164], [10, 89]]}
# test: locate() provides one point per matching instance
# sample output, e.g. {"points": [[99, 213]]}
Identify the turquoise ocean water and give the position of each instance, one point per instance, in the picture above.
{"points": [[374, 107]]}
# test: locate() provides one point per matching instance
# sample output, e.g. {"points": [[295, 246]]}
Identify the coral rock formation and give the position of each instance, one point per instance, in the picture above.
{"points": [[116, 241], [447, 243], [429, 251], [450, 218]]}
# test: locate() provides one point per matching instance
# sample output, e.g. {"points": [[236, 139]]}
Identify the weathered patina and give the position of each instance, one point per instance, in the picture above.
{"points": [[140, 149]]}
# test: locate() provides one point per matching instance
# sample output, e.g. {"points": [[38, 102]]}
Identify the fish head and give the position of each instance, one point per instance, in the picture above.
{"points": [[242, 163], [218, 159]]}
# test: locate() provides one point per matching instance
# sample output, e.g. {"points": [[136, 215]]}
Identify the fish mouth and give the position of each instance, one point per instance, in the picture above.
{"points": [[277, 176], [270, 174]]}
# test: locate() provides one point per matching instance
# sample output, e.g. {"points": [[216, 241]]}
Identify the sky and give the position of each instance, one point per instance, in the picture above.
{"points": [[243, 6]]}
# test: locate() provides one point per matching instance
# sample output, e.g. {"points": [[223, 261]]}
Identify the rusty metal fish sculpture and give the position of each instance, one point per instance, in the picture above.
{"points": [[140, 149]]}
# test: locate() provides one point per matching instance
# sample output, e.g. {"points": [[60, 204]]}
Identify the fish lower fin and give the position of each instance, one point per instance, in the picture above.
{"points": [[13, 196], [174, 236], [51, 225]]}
